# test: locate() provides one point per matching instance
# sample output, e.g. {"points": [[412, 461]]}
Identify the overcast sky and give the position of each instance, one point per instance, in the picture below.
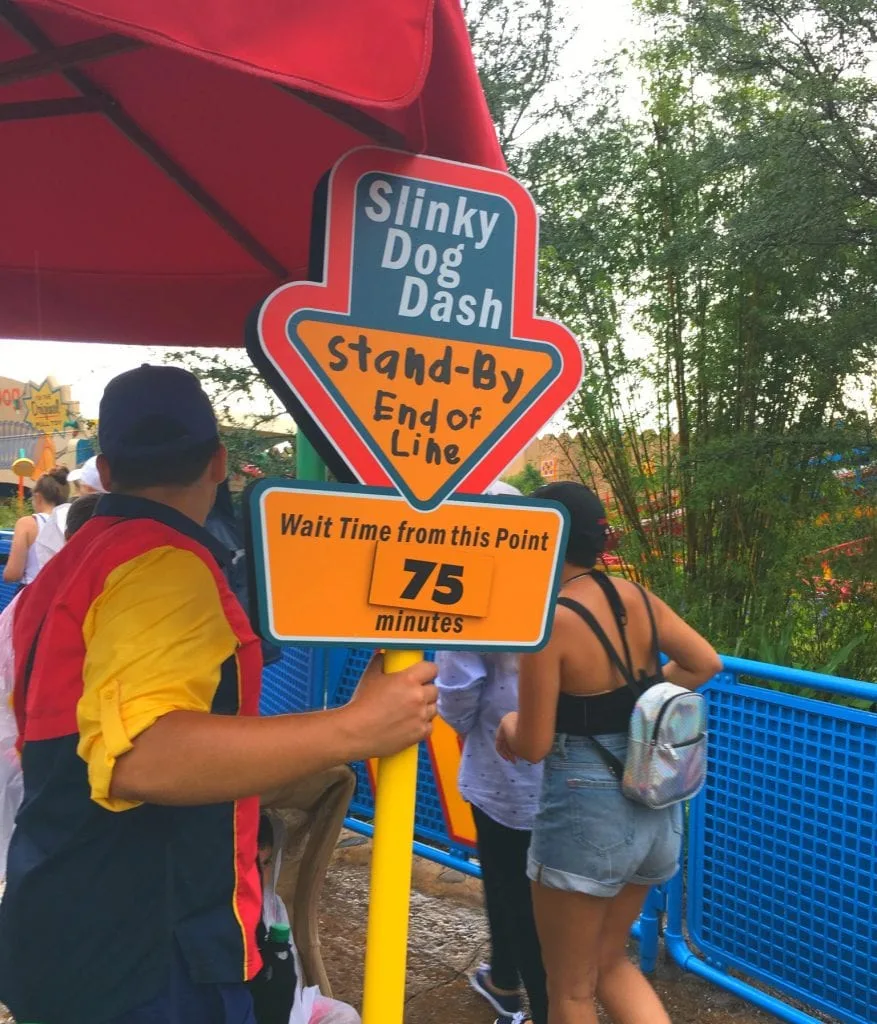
{"points": [[601, 26]]}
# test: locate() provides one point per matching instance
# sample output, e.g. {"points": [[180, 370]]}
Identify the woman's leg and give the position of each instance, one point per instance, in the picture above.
{"points": [[570, 925], [491, 855], [622, 988]]}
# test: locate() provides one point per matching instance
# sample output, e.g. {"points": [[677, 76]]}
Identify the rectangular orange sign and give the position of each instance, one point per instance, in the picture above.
{"points": [[343, 564], [405, 576]]}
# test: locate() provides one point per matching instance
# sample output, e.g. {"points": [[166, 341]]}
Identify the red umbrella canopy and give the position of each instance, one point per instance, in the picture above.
{"points": [[159, 159]]}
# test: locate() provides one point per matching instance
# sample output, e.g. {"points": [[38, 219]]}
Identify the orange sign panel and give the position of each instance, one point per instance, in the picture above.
{"points": [[548, 469], [405, 577], [342, 564], [427, 405]]}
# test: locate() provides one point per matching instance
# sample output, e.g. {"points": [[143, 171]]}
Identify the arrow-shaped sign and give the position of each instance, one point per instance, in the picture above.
{"points": [[419, 362]]}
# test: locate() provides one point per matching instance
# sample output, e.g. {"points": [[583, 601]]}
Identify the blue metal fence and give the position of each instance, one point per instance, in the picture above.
{"points": [[782, 842], [782, 846], [294, 683]]}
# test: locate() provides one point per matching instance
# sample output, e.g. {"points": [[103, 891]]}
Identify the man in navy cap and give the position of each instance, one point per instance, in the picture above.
{"points": [[132, 882]]}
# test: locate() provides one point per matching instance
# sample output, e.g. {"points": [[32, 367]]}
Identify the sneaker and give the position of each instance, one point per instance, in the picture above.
{"points": [[509, 1006], [519, 1018]]}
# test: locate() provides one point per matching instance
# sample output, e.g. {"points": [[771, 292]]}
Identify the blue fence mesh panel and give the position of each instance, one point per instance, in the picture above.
{"points": [[7, 592], [292, 683], [783, 865], [345, 667]]}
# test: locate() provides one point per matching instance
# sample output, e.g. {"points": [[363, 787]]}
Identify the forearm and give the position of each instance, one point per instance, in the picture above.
{"points": [[189, 757], [674, 673], [529, 748]]}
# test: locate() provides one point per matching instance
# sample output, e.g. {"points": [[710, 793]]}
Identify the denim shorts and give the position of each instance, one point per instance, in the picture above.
{"points": [[588, 836]]}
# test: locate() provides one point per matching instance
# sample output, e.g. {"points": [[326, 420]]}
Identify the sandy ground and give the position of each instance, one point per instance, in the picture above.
{"points": [[448, 938]]}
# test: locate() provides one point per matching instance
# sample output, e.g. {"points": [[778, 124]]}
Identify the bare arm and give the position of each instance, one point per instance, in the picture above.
{"points": [[24, 535], [692, 658], [192, 757], [530, 733]]}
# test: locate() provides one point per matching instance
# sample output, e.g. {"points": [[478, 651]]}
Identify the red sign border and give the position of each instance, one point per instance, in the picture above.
{"points": [[301, 390]]}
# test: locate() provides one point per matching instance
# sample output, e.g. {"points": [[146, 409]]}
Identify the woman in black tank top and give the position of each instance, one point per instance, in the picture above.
{"points": [[594, 853]]}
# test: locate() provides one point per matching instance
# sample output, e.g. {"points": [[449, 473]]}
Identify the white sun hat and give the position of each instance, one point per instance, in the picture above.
{"points": [[501, 487], [87, 474]]}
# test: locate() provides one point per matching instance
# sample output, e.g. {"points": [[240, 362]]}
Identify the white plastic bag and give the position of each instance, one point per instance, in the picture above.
{"points": [[330, 1011], [11, 784], [309, 1006]]}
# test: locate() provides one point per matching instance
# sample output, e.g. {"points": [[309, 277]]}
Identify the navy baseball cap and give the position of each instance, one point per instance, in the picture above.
{"points": [[588, 527], [154, 412]]}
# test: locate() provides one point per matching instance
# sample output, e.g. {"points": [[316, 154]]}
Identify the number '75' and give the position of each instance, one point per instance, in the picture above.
{"points": [[448, 584]]}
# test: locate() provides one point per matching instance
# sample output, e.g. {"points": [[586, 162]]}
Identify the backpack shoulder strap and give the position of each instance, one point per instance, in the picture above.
{"points": [[591, 622], [614, 765], [618, 611]]}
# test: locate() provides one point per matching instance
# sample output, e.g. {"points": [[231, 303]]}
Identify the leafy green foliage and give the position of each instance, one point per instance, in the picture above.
{"points": [[527, 480], [235, 387], [517, 46], [718, 260], [11, 512]]}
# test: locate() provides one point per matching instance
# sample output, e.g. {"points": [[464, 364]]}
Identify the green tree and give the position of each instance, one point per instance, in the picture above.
{"points": [[527, 480], [517, 46], [717, 264]]}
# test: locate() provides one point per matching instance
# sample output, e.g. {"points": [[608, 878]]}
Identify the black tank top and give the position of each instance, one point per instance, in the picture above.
{"points": [[585, 715]]}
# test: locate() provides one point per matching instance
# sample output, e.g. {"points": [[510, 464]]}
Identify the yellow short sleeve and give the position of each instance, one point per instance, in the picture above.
{"points": [[155, 642]]}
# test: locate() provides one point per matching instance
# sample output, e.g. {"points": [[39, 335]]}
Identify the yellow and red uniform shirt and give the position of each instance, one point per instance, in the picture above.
{"points": [[133, 619]]}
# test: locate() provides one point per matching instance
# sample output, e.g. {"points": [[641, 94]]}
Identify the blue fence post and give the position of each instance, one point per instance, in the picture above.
{"points": [[649, 930]]}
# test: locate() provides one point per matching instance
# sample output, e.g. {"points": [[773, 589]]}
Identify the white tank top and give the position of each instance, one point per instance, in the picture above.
{"points": [[34, 563]]}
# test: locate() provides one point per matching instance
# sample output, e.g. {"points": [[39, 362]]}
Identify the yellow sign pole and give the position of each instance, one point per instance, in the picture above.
{"points": [[386, 950]]}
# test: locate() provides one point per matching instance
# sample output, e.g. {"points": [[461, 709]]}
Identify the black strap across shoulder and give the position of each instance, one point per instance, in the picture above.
{"points": [[591, 622], [625, 669], [619, 612]]}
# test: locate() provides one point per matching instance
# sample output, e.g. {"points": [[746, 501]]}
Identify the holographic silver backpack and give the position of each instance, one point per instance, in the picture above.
{"points": [[667, 737], [666, 746]]}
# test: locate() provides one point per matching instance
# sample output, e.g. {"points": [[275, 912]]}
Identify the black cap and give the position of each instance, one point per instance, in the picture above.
{"points": [[154, 412], [588, 527]]}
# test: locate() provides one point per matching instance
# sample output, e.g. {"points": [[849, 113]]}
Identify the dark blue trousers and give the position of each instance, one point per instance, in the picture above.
{"points": [[184, 1002]]}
